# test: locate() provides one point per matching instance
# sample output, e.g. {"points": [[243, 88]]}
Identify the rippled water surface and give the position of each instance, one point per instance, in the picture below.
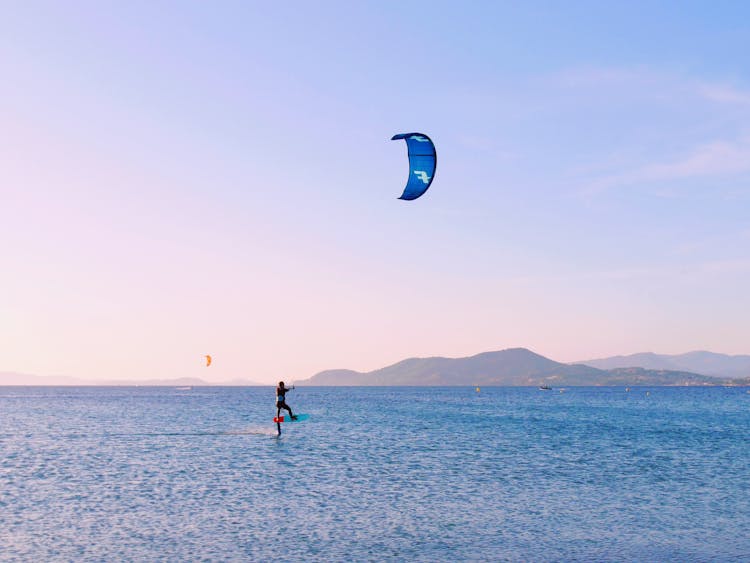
{"points": [[415, 474]]}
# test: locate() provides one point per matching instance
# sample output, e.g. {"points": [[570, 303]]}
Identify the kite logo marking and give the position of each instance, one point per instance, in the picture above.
{"points": [[420, 139], [422, 175]]}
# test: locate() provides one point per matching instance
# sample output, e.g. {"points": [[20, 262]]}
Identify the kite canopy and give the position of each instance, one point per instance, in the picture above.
{"points": [[422, 163]]}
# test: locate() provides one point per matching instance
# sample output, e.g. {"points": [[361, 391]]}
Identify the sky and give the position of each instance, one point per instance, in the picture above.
{"points": [[188, 178]]}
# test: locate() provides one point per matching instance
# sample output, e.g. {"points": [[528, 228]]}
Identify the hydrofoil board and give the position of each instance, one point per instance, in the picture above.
{"points": [[287, 418]]}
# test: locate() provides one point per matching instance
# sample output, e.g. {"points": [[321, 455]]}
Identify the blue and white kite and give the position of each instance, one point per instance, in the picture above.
{"points": [[422, 164]]}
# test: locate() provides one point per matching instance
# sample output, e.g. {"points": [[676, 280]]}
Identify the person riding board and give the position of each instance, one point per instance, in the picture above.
{"points": [[281, 401]]}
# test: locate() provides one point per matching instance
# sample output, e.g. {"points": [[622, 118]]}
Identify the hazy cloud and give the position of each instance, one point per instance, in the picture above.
{"points": [[725, 94], [717, 158]]}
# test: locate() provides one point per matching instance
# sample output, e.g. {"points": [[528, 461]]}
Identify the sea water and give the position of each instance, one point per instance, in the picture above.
{"points": [[375, 474]]}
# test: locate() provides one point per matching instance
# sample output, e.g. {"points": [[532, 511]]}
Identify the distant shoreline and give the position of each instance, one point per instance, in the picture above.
{"points": [[215, 385]]}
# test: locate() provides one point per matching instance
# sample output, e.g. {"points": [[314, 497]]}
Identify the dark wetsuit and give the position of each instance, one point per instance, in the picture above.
{"points": [[281, 402]]}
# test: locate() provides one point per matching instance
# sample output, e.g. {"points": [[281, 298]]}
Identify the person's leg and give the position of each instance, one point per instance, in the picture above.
{"points": [[291, 414]]}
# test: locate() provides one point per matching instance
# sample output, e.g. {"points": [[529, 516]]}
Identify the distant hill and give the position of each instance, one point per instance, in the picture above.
{"points": [[512, 367], [704, 363], [12, 378]]}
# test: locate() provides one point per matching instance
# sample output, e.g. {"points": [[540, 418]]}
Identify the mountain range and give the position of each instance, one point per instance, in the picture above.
{"points": [[511, 367], [704, 363]]}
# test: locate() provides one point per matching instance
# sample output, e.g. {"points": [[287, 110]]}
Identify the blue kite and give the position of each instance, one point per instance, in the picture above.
{"points": [[422, 163]]}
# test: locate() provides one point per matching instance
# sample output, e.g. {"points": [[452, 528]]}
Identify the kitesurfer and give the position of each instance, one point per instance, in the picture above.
{"points": [[281, 401]]}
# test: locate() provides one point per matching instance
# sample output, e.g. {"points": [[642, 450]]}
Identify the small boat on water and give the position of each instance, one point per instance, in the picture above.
{"points": [[183, 388], [545, 388]]}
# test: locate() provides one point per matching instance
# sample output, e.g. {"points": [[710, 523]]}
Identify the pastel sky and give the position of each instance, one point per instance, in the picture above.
{"points": [[189, 178]]}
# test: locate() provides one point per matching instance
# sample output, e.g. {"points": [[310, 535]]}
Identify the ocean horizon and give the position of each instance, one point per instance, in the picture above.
{"points": [[375, 474]]}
